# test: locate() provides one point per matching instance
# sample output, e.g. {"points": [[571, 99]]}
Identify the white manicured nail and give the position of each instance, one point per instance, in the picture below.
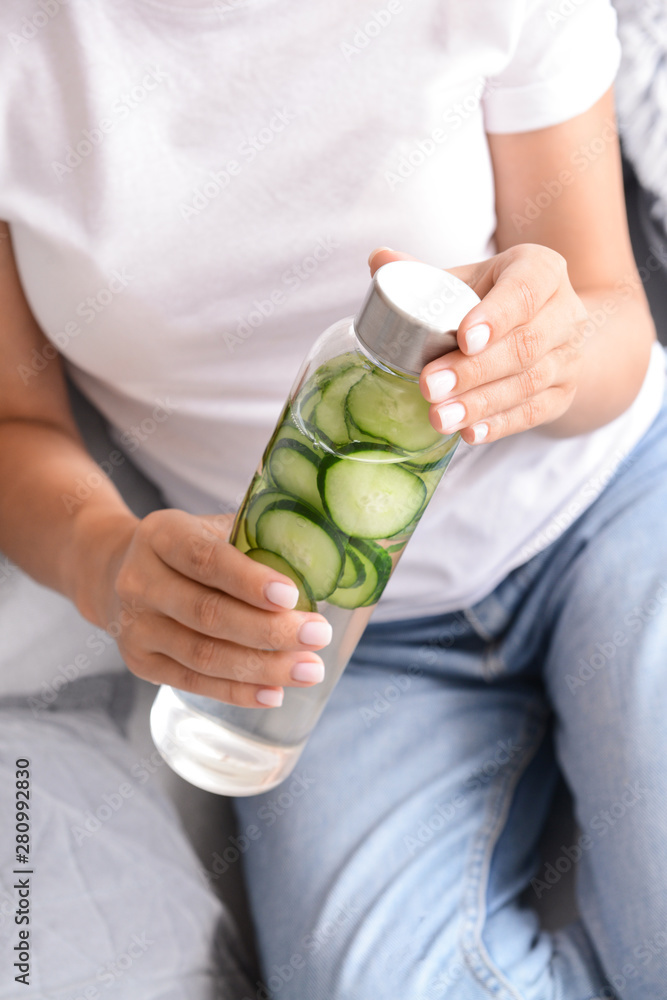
{"points": [[451, 415], [308, 672], [282, 594], [477, 338], [315, 633], [439, 384], [270, 697], [480, 431]]}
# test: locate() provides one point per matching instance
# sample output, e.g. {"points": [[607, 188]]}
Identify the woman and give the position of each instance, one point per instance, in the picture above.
{"points": [[189, 203]]}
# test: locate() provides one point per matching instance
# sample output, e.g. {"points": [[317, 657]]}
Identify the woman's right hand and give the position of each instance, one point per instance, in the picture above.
{"points": [[194, 612]]}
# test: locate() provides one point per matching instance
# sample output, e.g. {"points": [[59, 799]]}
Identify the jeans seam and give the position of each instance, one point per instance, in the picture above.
{"points": [[477, 958], [474, 621]]}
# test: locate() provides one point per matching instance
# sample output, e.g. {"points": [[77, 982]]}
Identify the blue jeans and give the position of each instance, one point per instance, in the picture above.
{"points": [[393, 864]]}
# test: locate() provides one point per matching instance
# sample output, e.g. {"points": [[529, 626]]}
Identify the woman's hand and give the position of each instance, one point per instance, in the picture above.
{"points": [[520, 350], [192, 611]]}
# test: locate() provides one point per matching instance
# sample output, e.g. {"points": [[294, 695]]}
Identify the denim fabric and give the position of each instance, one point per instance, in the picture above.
{"points": [[393, 863]]}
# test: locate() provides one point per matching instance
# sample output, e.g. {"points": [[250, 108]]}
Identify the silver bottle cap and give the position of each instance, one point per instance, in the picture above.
{"points": [[411, 314]]}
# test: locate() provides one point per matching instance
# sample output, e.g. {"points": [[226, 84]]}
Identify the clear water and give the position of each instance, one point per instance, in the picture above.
{"points": [[243, 751]]}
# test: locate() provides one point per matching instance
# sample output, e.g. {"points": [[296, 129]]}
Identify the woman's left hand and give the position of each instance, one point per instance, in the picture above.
{"points": [[520, 351]]}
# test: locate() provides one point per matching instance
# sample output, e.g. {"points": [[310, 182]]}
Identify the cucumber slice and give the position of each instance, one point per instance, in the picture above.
{"points": [[307, 402], [272, 559], [377, 565], [392, 410], [256, 508], [396, 547], [329, 414], [302, 537], [369, 499], [353, 574], [293, 468], [437, 458]]}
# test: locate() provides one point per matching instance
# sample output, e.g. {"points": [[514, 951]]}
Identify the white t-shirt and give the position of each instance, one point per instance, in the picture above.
{"points": [[193, 188]]}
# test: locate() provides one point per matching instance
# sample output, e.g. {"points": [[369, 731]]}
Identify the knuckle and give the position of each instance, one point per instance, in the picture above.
{"points": [[484, 402], [150, 525], [531, 381], [203, 555], [251, 665], [190, 681], [526, 346], [533, 412], [129, 581], [207, 610], [524, 293], [278, 632], [501, 425], [138, 663], [203, 656], [476, 373]]}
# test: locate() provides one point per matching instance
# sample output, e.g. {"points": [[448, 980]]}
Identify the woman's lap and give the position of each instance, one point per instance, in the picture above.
{"points": [[399, 870]]}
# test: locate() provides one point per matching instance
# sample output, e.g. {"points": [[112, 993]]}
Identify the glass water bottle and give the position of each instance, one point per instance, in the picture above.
{"points": [[345, 478]]}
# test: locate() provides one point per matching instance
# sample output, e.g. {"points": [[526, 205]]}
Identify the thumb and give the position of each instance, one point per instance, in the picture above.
{"points": [[383, 255]]}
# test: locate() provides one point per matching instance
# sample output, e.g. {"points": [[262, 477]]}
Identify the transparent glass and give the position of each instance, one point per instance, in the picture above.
{"points": [[345, 478]]}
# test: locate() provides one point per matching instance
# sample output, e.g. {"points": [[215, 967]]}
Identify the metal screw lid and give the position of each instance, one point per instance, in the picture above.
{"points": [[411, 314]]}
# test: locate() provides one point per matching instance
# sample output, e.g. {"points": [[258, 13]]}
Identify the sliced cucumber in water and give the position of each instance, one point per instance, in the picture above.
{"points": [[293, 468], [329, 414], [392, 411], [377, 565], [256, 507], [272, 559], [438, 458], [353, 574], [308, 543], [369, 499]]}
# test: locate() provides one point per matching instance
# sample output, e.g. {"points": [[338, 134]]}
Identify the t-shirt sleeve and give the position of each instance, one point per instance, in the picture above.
{"points": [[566, 56]]}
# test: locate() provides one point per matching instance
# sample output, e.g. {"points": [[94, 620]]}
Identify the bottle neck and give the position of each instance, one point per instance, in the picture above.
{"points": [[382, 363]]}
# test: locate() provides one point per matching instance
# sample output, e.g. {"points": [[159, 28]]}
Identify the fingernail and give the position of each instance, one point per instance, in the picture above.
{"points": [[315, 633], [282, 594], [451, 415], [440, 383], [307, 672], [270, 697], [477, 338], [480, 431], [378, 250]]}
